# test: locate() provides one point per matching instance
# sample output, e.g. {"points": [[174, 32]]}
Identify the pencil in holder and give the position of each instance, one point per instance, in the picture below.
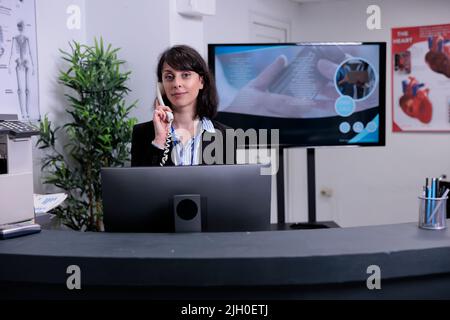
{"points": [[433, 213]]}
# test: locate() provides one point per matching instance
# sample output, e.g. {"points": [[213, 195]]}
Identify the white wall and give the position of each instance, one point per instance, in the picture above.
{"points": [[231, 25], [376, 185], [369, 185], [52, 34], [186, 30], [141, 29], [123, 24]]}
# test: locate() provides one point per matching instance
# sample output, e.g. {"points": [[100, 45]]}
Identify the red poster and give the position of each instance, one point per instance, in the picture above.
{"points": [[421, 78]]}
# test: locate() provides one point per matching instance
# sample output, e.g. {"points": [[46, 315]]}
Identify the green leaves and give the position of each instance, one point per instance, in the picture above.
{"points": [[98, 134], [93, 69], [47, 135]]}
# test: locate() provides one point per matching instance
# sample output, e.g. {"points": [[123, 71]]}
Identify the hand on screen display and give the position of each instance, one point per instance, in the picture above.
{"points": [[256, 96]]}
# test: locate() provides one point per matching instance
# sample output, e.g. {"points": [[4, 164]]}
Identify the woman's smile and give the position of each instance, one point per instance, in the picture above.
{"points": [[178, 95]]}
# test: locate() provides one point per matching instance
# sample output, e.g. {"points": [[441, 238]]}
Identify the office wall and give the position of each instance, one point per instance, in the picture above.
{"points": [[123, 24], [376, 185], [186, 29], [367, 185], [231, 24], [53, 34], [141, 29]]}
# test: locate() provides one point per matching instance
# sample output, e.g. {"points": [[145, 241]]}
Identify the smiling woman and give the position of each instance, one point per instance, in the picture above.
{"points": [[190, 94]]}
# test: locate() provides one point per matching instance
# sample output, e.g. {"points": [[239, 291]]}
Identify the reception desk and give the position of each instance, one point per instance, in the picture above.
{"points": [[291, 264]]}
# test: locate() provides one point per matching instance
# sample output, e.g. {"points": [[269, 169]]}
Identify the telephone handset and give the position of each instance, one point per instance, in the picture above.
{"points": [[159, 91]]}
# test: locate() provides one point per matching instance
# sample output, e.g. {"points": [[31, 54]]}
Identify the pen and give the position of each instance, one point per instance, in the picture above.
{"points": [[439, 205], [427, 196], [433, 195]]}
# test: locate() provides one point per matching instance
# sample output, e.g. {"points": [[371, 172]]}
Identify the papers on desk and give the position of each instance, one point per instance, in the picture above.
{"points": [[43, 203]]}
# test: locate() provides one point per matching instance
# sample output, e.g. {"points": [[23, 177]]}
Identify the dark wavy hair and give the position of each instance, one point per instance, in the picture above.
{"points": [[185, 58]]}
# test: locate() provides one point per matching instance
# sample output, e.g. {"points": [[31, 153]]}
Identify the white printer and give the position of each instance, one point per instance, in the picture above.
{"points": [[16, 170]]}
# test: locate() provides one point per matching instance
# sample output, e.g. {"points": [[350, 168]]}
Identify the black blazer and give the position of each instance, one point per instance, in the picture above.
{"points": [[145, 154]]}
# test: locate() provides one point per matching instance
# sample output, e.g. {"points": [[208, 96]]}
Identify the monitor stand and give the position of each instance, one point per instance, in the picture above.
{"points": [[311, 170]]}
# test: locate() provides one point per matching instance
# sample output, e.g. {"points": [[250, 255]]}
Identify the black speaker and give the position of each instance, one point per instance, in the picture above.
{"points": [[187, 213]]}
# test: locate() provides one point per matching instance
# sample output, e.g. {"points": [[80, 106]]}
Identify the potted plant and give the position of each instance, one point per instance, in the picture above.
{"points": [[98, 134]]}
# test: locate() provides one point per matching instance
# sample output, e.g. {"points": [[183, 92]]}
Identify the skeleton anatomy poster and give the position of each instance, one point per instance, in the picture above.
{"points": [[18, 59], [421, 78]]}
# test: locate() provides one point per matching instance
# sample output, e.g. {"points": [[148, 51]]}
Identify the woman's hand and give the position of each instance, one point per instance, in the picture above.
{"points": [[161, 123]]}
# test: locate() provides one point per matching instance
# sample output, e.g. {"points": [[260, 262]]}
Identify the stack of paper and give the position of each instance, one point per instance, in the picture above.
{"points": [[43, 203]]}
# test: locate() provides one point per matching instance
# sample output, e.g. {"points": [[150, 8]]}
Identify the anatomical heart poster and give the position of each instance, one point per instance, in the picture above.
{"points": [[421, 78], [19, 93]]}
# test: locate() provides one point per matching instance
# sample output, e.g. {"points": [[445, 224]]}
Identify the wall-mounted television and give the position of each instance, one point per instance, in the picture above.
{"points": [[316, 94]]}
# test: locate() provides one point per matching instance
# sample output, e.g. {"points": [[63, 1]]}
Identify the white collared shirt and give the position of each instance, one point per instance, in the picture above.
{"points": [[189, 153]]}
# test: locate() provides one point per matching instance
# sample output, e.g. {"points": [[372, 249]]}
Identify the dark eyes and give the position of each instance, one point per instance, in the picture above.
{"points": [[171, 77], [168, 77]]}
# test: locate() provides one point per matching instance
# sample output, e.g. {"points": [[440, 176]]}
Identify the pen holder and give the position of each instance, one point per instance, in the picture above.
{"points": [[432, 213]]}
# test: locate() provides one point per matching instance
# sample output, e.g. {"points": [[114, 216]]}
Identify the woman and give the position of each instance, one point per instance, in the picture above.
{"points": [[190, 94]]}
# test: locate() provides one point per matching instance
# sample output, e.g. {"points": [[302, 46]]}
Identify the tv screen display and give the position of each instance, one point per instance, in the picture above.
{"points": [[316, 94]]}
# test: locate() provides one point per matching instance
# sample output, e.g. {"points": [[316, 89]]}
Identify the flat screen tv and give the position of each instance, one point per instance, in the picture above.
{"points": [[316, 94]]}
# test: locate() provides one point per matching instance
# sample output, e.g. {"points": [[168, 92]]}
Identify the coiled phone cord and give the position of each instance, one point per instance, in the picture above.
{"points": [[167, 146]]}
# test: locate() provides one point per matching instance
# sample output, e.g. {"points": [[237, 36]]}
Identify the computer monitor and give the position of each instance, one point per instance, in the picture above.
{"points": [[315, 94], [141, 199]]}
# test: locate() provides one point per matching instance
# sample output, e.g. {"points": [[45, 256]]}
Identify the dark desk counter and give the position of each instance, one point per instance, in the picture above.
{"points": [[323, 263]]}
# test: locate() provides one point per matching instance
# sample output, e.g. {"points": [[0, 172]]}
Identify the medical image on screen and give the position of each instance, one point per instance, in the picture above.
{"points": [[356, 79], [316, 94]]}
